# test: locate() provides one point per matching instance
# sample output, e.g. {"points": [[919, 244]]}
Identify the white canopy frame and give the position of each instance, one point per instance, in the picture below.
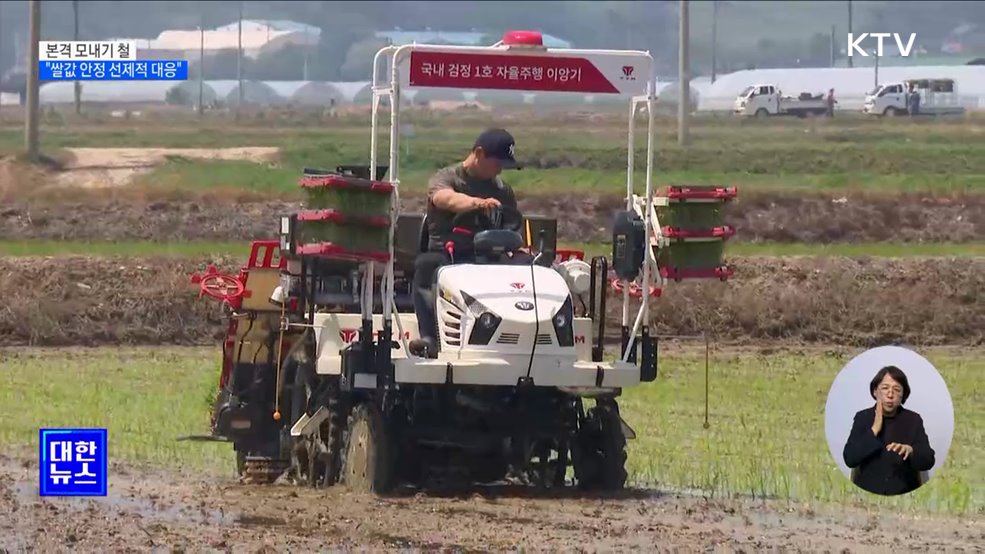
{"points": [[390, 89]]}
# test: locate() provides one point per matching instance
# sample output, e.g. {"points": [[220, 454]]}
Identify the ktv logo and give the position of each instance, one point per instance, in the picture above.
{"points": [[854, 43]]}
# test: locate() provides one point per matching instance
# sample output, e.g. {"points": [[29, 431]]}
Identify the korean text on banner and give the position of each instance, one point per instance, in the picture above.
{"points": [[87, 50], [143, 70], [73, 462], [591, 74]]}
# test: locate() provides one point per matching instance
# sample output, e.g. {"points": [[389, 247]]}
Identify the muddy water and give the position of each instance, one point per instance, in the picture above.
{"points": [[155, 510]]}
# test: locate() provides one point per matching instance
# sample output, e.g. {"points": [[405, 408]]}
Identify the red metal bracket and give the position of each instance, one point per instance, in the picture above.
{"points": [[635, 290], [565, 255], [338, 181], [675, 192], [340, 218], [330, 250], [269, 248], [722, 272], [722, 232]]}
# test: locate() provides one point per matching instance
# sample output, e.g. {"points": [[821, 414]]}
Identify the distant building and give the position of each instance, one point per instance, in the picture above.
{"points": [[468, 38], [259, 37]]}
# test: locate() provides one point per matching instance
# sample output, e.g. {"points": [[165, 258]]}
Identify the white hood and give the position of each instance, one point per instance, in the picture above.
{"points": [[503, 290]]}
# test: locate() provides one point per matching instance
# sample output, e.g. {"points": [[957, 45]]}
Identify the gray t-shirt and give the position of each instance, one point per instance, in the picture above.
{"points": [[454, 177]]}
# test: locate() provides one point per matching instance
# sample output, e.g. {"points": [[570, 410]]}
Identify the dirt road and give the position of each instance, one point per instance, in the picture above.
{"points": [[152, 510], [115, 167]]}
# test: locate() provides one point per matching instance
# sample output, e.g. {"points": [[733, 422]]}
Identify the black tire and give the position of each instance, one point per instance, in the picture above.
{"points": [[326, 465], [600, 452], [761, 113], [368, 463]]}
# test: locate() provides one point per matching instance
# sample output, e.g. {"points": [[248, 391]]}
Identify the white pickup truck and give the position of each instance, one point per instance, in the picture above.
{"points": [[767, 100], [936, 97]]}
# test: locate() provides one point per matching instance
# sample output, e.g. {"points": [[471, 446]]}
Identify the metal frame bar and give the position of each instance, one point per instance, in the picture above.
{"points": [[392, 90]]}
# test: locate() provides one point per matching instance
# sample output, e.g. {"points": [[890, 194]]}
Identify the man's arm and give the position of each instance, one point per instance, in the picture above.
{"points": [[441, 191]]}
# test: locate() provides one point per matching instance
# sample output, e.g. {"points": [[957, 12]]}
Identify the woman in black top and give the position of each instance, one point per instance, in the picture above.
{"points": [[888, 446]]}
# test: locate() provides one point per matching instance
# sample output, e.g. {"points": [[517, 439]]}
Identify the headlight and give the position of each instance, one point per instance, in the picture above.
{"points": [[560, 320], [562, 324], [486, 321]]}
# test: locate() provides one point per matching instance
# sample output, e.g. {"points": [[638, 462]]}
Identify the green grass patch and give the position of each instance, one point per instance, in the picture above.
{"points": [[241, 248], [766, 435], [581, 157], [189, 249], [281, 180], [146, 398], [182, 174]]}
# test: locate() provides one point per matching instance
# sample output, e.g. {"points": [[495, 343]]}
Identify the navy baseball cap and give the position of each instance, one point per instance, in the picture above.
{"points": [[498, 144]]}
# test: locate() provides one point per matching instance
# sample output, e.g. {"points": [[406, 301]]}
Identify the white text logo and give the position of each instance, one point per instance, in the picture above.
{"points": [[854, 43]]}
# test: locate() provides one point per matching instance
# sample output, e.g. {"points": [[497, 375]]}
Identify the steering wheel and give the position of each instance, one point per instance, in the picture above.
{"points": [[479, 220]]}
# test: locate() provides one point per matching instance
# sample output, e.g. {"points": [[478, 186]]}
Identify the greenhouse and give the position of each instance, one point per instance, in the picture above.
{"points": [[306, 93], [130, 92]]}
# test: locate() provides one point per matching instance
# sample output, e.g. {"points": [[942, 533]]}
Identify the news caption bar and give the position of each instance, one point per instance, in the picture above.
{"points": [[103, 61]]}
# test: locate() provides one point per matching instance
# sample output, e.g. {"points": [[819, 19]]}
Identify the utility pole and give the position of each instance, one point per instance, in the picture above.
{"points": [[307, 47], [850, 64], [78, 85], [875, 54], [201, 64], [684, 100], [239, 62], [714, 37], [832, 64], [1, 48], [31, 125]]}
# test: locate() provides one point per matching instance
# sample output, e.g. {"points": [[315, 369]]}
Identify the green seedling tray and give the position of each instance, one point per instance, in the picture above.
{"points": [[686, 215], [692, 207], [353, 233], [349, 195], [692, 255]]}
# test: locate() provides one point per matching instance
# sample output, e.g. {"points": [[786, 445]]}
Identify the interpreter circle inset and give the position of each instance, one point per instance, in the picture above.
{"points": [[918, 404]]}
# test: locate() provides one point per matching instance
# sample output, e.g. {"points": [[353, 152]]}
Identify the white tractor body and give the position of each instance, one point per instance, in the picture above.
{"points": [[531, 308]]}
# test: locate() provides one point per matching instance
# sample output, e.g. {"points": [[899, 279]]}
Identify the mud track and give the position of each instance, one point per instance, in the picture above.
{"points": [[758, 217], [854, 302], [151, 509]]}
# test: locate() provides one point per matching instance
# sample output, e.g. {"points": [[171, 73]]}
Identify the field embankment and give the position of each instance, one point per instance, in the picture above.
{"points": [[757, 217], [73, 300]]}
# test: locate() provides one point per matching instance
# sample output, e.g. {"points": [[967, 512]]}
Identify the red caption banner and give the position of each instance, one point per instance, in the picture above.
{"points": [[506, 72]]}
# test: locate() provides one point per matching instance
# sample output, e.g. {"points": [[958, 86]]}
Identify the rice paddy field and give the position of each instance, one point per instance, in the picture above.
{"points": [[851, 233]]}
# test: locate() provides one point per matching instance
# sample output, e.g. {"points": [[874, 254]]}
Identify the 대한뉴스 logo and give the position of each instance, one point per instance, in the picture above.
{"points": [[73, 462], [854, 43]]}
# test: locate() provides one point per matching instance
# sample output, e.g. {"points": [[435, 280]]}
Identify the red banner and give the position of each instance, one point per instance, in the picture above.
{"points": [[507, 72]]}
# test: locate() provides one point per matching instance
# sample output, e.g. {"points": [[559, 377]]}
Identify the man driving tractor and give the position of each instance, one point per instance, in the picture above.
{"points": [[472, 186]]}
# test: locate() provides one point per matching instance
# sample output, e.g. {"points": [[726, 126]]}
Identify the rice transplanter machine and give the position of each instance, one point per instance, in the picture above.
{"points": [[319, 380]]}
